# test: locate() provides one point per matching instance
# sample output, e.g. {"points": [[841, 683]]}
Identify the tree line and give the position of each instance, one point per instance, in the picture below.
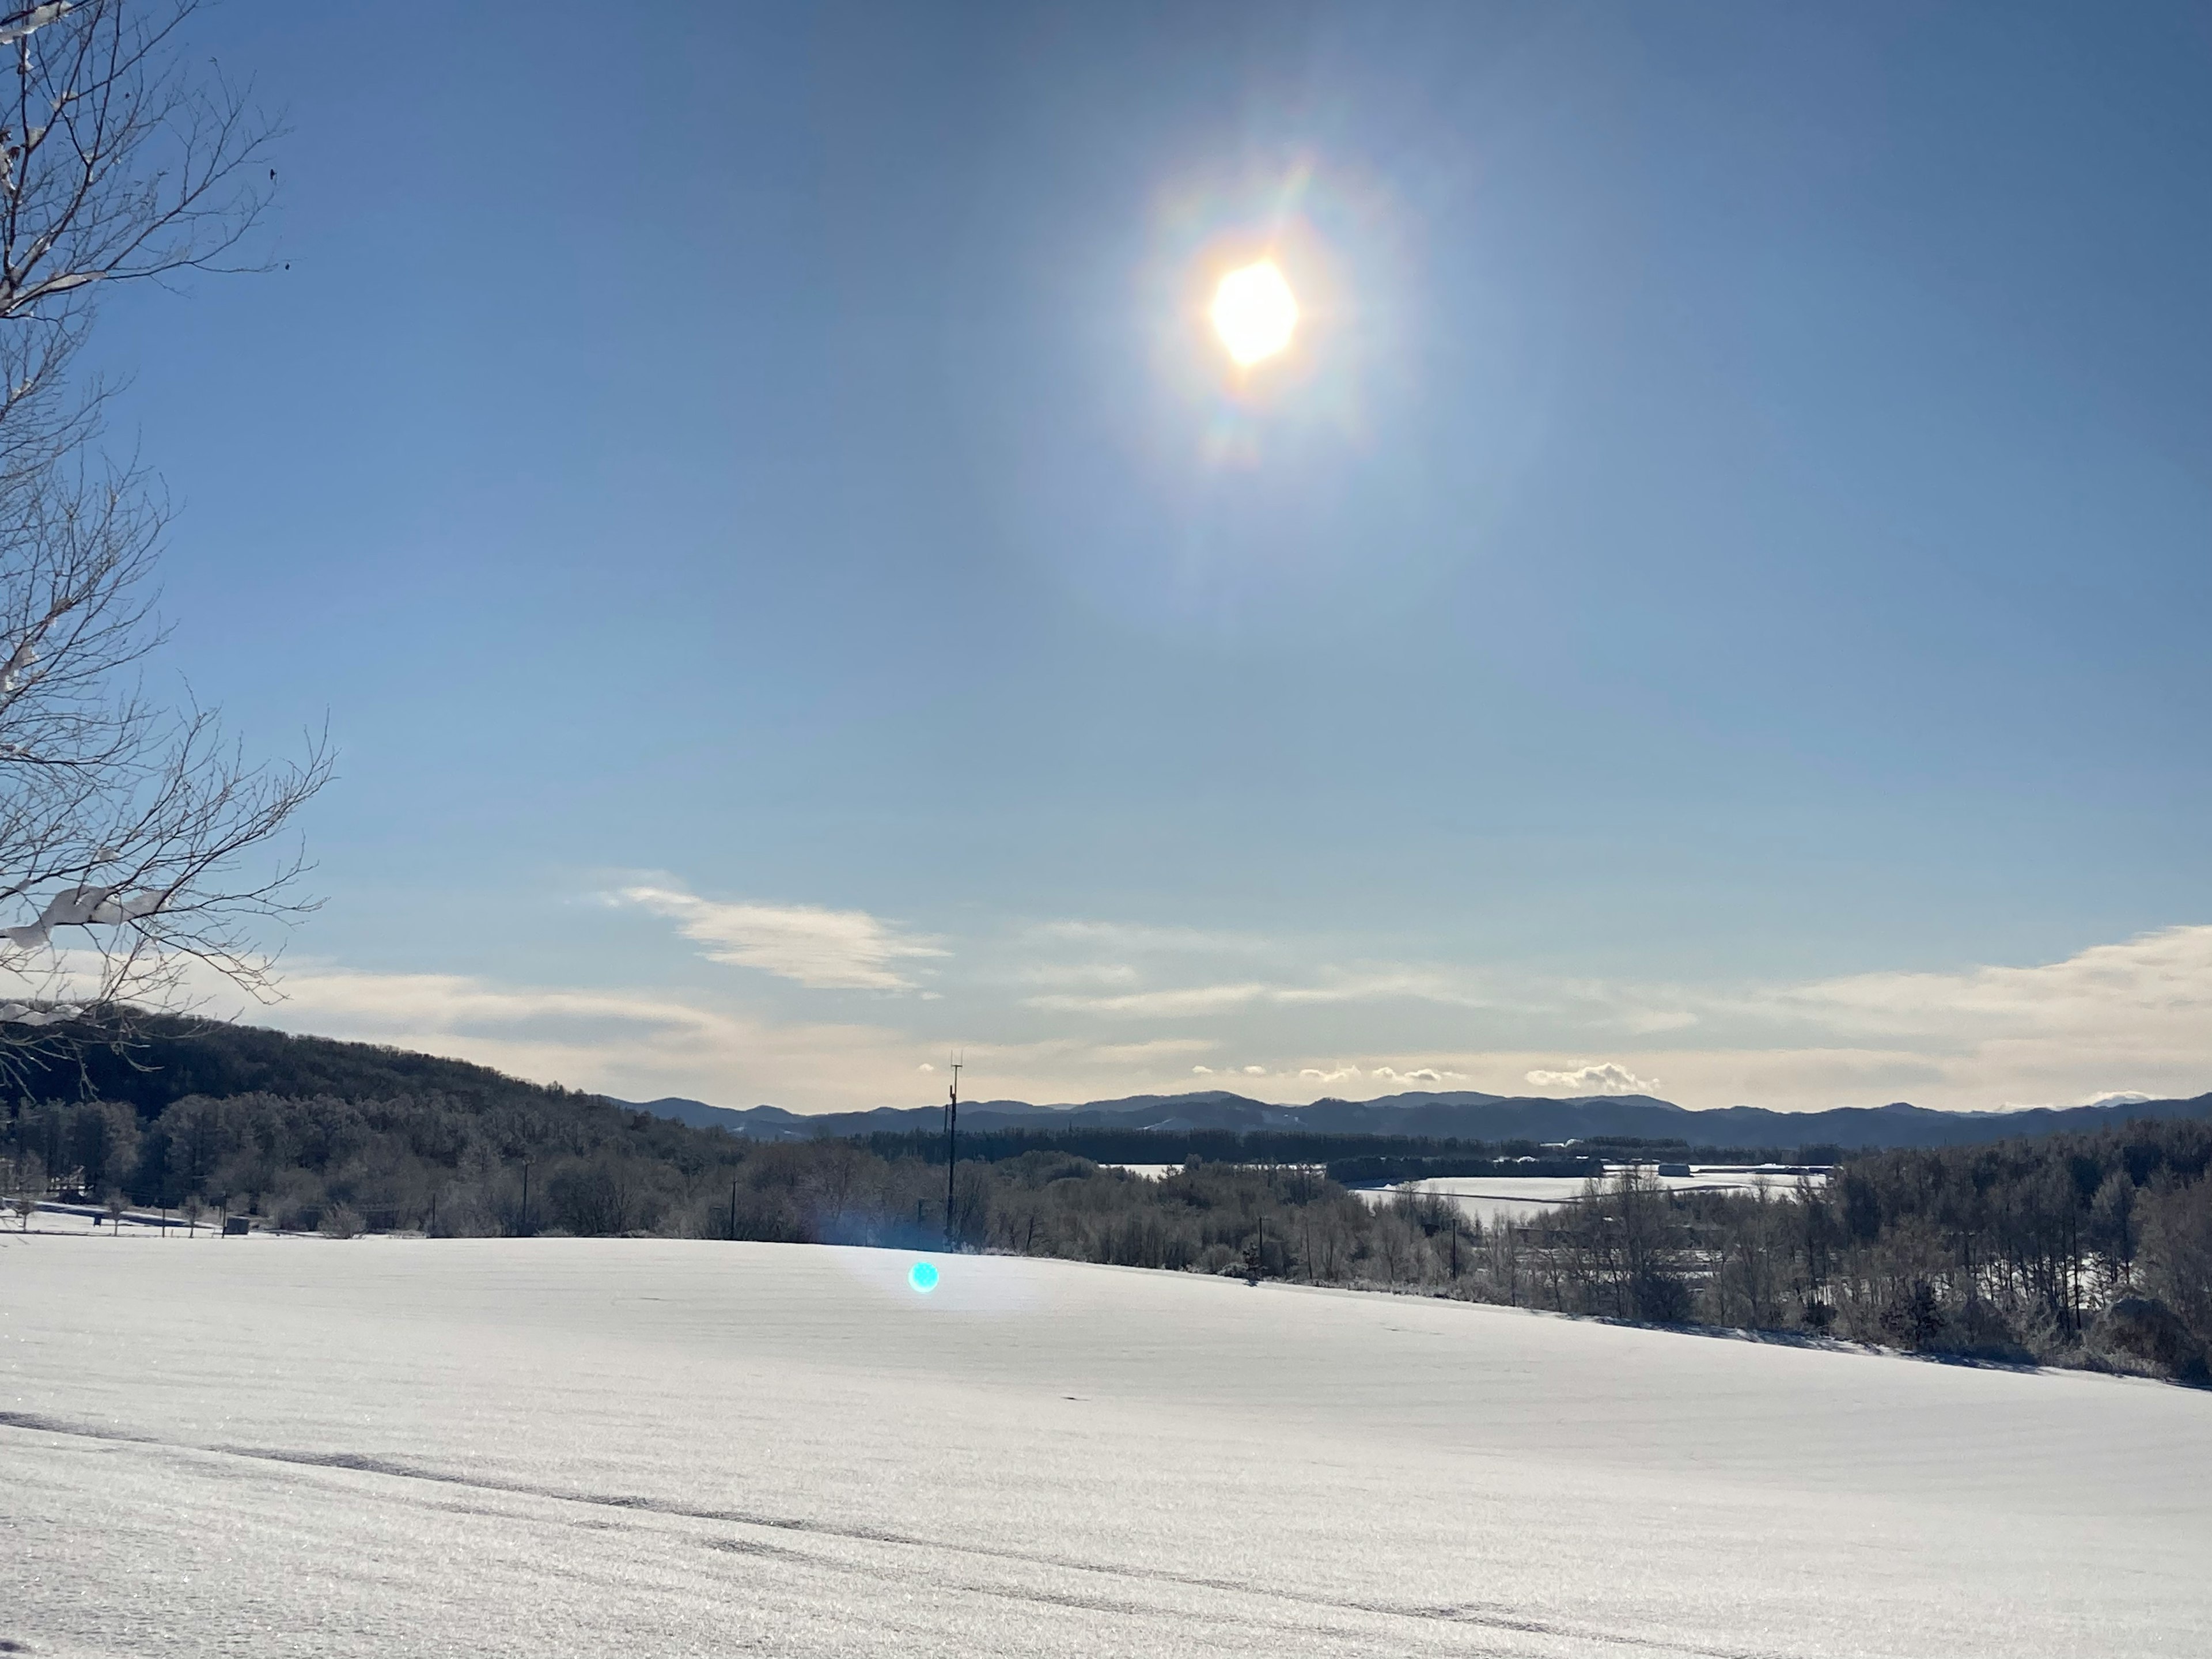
{"points": [[1353, 1157], [2070, 1250], [2039, 1250]]}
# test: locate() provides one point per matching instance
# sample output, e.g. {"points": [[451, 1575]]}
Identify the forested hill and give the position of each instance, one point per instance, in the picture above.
{"points": [[169, 1058]]}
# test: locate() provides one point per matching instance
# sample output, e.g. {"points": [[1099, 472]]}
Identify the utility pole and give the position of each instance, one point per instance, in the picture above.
{"points": [[733, 1206], [952, 1141], [522, 1227]]}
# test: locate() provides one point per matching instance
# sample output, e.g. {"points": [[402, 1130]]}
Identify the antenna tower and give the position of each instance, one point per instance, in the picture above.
{"points": [[951, 1140]]}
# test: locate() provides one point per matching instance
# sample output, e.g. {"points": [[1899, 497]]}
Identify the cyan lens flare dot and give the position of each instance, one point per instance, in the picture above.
{"points": [[922, 1276]]}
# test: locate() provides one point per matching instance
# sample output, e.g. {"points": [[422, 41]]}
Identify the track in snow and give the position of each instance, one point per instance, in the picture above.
{"points": [[548, 1446]]}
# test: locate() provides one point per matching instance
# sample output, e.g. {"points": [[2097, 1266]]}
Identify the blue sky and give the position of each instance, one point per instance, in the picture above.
{"points": [[1719, 592]]}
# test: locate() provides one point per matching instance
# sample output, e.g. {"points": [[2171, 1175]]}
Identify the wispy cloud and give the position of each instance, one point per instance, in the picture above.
{"points": [[1081, 973], [821, 949], [1602, 1077], [2130, 1019], [1147, 940], [2158, 982], [1634, 1010], [1144, 1054], [1191, 1001], [1378, 1076], [639, 1045], [1184, 1003], [1426, 1075], [633, 1044]]}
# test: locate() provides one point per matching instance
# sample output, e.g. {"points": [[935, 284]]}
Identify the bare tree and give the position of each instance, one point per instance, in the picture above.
{"points": [[30, 1188], [144, 842]]}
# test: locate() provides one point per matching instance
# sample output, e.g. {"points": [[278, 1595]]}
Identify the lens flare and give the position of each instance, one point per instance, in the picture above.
{"points": [[922, 1276], [1253, 312]]}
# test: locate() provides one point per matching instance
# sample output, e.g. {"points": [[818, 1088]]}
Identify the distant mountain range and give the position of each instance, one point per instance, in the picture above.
{"points": [[1468, 1116]]}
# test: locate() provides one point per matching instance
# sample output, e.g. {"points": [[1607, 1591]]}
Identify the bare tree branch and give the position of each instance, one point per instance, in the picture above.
{"points": [[139, 846]]}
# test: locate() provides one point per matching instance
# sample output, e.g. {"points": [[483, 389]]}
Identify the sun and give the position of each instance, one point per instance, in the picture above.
{"points": [[1254, 313]]}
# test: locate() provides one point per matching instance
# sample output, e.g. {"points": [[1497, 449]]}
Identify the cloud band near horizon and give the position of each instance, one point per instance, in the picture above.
{"points": [[2129, 1018]]}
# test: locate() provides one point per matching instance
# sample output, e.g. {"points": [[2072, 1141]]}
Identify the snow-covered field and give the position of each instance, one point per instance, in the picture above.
{"points": [[278, 1447], [1490, 1199]]}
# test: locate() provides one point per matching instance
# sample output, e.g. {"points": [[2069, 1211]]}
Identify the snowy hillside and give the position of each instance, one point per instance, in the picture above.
{"points": [[548, 1447]]}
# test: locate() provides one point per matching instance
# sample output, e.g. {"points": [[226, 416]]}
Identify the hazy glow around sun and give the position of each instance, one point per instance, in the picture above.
{"points": [[1254, 313]]}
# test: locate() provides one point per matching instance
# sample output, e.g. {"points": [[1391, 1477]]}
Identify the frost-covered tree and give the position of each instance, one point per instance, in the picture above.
{"points": [[30, 1188], [137, 842]]}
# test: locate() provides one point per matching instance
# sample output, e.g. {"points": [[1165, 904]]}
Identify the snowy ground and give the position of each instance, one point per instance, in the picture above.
{"points": [[283, 1447], [90, 1221]]}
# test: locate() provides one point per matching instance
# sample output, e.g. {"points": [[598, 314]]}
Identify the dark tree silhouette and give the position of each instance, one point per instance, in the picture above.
{"points": [[136, 842]]}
